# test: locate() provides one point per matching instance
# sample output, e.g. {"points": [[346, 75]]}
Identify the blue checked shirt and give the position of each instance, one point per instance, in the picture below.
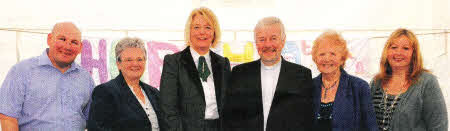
{"points": [[42, 98]]}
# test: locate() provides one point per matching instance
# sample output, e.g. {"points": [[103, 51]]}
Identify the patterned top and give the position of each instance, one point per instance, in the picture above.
{"points": [[384, 105]]}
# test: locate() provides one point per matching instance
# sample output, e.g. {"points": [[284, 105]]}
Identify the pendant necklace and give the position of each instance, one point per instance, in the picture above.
{"points": [[326, 89], [387, 114]]}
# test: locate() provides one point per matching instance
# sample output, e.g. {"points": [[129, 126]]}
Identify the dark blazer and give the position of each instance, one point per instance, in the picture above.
{"points": [[352, 108], [182, 96], [291, 108], [115, 108]]}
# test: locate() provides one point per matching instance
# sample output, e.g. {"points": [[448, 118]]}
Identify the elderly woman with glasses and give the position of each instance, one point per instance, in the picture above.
{"points": [[125, 103]]}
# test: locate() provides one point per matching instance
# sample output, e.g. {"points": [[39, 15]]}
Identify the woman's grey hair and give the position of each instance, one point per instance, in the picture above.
{"points": [[129, 42]]}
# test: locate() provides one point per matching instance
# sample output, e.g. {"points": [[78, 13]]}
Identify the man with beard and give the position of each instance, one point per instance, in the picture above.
{"points": [[50, 91], [269, 94]]}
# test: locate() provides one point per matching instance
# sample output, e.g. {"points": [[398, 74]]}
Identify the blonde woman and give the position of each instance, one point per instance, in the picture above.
{"points": [[193, 81], [405, 95]]}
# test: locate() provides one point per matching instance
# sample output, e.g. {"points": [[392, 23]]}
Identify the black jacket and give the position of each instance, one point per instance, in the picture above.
{"points": [[182, 96], [115, 108], [291, 108]]}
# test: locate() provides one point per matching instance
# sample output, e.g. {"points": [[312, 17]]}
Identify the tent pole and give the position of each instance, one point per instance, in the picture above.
{"points": [[18, 36], [446, 42]]}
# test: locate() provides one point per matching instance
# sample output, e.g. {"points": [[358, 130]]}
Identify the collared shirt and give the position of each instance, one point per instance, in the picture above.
{"points": [[269, 80], [211, 111], [148, 108], [40, 97]]}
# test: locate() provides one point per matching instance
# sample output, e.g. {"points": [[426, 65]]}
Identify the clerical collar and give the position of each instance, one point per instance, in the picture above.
{"points": [[270, 67]]}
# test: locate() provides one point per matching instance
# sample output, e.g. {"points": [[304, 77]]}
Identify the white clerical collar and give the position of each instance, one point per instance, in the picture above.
{"points": [[195, 55], [275, 66]]}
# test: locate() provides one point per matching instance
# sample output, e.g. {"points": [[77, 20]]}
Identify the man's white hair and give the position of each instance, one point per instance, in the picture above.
{"points": [[271, 20]]}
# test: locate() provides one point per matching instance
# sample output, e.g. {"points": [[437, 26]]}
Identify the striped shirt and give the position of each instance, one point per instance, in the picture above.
{"points": [[384, 109]]}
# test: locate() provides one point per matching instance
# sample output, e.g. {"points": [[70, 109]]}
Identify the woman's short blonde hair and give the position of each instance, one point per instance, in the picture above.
{"points": [[416, 65], [338, 41], [212, 20]]}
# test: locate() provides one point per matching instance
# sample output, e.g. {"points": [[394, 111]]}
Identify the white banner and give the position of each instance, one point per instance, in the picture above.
{"points": [[99, 59]]}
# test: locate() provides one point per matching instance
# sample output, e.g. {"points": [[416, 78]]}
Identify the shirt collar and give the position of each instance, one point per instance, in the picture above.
{"points": [[44, 60], [195, 55], [276, 66]]}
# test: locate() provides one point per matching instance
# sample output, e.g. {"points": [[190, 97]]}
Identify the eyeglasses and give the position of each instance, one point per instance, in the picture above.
{"points": [[130, 60]]}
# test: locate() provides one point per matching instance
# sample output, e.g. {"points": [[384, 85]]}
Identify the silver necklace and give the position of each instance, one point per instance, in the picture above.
{"points": [[388, 111], [326, 89]]}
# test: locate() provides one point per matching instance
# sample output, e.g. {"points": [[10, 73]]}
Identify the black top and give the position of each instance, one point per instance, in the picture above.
{"points": [[325, 116]]}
